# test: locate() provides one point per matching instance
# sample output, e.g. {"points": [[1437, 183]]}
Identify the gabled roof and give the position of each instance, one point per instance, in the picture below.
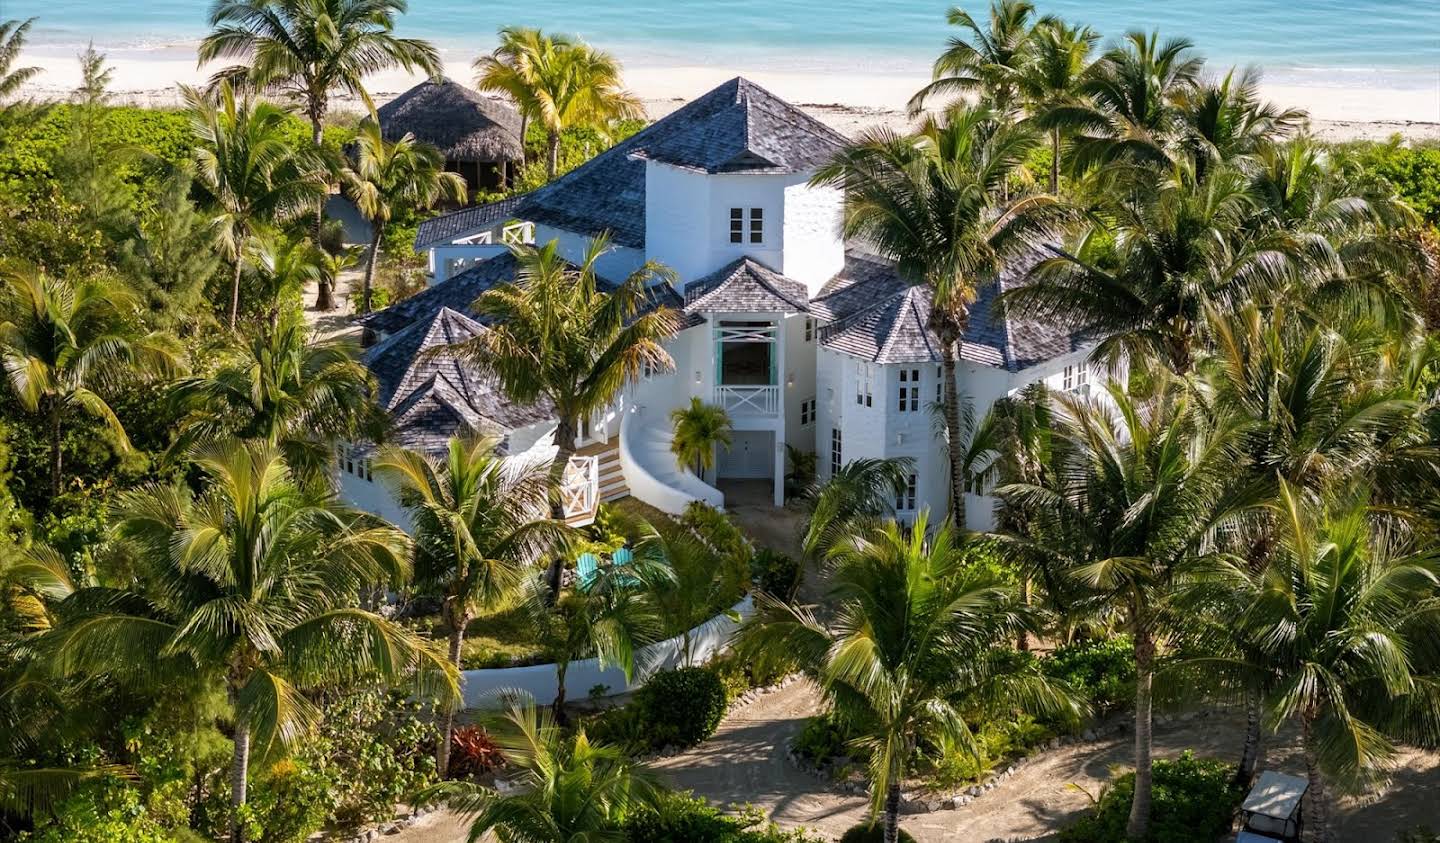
{"points": [[463, 124], [447, 227], [746, 286], [431, 395], [876, 315], [737, 127]]}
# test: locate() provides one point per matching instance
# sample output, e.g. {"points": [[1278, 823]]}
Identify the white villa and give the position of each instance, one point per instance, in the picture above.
{"points": [[806, 340]]}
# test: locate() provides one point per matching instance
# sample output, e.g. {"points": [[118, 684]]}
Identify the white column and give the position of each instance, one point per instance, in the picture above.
{"points": [[779, 470]]}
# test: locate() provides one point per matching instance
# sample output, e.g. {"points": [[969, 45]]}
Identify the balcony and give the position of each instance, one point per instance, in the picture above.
{"points": [[580, 490], [749, 400]]}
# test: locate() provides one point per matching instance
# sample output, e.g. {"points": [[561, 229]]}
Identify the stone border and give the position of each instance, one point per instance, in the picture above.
{"points": [[383, 829]]}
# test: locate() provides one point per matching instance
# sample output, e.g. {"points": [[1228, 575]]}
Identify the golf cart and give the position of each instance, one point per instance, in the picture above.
{"points": [[1272, 810]]}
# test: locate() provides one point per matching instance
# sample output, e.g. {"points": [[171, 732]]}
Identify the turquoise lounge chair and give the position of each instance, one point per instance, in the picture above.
{"points": [[622, 557], [585, 569]]}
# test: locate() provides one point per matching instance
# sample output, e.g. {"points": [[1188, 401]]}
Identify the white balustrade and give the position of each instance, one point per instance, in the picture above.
{"points": [[581, 487], [749, 400]]}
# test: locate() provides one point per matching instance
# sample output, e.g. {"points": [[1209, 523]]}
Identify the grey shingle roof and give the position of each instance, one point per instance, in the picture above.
{"points": [[746, 286], [447, 227], [434, 396], [457, 292], [737, 127], [874, 314]]}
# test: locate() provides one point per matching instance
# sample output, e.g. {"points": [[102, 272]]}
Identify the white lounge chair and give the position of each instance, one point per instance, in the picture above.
{"points": [[1272, 809]]}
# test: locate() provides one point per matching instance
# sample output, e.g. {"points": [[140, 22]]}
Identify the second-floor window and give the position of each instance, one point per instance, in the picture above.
{"points": [[809, 330], [807, 412], [835, 452], [905, 500], [909, 391], [863, 394], [939, 384], [747, 221], [1075, 377]]}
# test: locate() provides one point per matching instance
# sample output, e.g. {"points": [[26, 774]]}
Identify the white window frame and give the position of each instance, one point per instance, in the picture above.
{"points": [[746, 226], [809, 329], [755, 227], [807, 411], [737, 226], [939, 384], [837, 451], [909, 391], [864, 385], [1067, 379], [905, 499]]}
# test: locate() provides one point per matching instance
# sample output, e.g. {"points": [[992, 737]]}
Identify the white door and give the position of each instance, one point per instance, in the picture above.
{"points": [[749, 456]]}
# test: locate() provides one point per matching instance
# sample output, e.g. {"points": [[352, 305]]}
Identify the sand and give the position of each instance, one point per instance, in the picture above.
{"points": [[850, 101]]}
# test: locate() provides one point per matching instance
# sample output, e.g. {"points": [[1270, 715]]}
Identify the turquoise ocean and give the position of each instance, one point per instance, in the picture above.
{"points": [[1389, 43]]}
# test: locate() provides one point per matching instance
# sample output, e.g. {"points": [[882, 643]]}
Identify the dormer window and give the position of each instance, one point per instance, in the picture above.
{"points": [[744, 220]]}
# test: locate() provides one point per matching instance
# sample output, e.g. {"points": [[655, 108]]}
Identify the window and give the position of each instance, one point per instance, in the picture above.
{"points": [[809, 330], [807, 412], [939, 384], [863, 379], [647, 370], [835, 453], [1067, 382], [1082, 375], [905, 500], [741, 222], [909, 391], [350, 463]]}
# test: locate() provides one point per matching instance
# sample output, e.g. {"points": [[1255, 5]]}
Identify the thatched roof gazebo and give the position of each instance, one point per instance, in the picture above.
{"points": [[479, 136]]}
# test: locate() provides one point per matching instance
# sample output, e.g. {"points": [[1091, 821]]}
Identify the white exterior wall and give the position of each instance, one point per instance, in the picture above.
{"points": [[615, 264], [372, 496], [813, 242], [798, 376]]}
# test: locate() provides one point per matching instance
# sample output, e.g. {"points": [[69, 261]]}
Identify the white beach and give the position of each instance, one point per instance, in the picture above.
{"points": [[1343, 109]]}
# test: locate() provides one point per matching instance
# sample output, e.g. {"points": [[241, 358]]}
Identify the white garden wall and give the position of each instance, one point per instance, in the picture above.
{"points": [[483, 688]]}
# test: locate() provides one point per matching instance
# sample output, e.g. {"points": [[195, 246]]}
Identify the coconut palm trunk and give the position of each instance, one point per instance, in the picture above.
{"points": [[374, 261], [951, 395], [239, 774], [1055, 161], [557, 708], [1139, 823], [235, 290], [56, 440], [892, 813], [458, 622], [1250, 751], [552, 139], [1315, 807], [564, 450]]}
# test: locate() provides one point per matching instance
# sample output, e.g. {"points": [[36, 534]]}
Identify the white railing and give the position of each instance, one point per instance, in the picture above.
{"points": [[581, 489], [518, 233], [749, 400]]}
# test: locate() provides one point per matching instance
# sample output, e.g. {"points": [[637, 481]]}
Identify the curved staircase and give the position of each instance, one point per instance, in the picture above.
{"points": [[650, 469]]}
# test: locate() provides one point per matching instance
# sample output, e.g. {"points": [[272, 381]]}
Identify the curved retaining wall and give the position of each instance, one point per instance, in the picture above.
{"points": [[479, 687], [670, 494]]}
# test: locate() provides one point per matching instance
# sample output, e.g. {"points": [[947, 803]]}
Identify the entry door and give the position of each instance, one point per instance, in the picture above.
{"points": [[749, 456]]}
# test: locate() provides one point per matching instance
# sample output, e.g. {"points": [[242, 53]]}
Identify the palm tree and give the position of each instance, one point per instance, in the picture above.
{"points": [[281, 388], [252, 585], [330, 266], [1054, 78], [387, 177], [909, 651], [559, 82], [1128, 114], [1132, 504], [932, 203], [479, 522], [1226, 119], [1336, 623], [246, 172], [509, 69], [61, 341], [857, 496], [1179, 249], [690, 579], [280, 266], [569, 788], [699, 430], [990, 63], [609, 620], [308, 49], [13, 34], [559, 333]]}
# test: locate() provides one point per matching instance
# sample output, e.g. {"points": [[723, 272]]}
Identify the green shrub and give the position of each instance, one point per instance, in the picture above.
{"points": [[871, 833], [623, 726], [775, 573], [683, 818], [822, 738], [290, 801], [717, 530], [738, 676], [106, 811], [1103, 671], [1194, 802], [1422, 834], [682, 707]]}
